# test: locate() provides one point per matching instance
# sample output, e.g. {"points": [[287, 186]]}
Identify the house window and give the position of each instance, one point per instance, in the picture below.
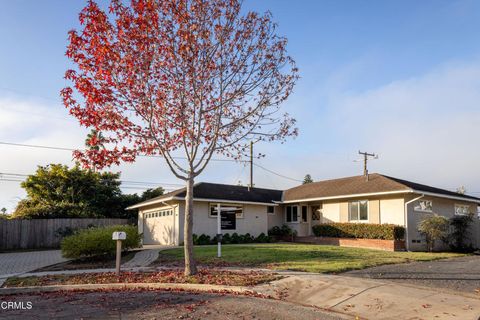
{"points": [[227, 208], [271, 210], [292, 214], [304, 213], [358, 210], [462, 209], [424, 206]]}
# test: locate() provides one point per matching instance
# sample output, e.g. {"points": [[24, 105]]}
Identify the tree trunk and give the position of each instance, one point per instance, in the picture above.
{"points": [[190, 266]]}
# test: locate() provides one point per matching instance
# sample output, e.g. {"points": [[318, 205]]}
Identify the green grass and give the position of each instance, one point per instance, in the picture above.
{"points": [[301, 257]]}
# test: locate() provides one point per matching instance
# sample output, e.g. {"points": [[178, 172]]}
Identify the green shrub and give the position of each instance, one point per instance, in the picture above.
{"points": [[284, 230], [434, 228], [247, 238], [98, 241], [226, 238], [203, 240], [235, 238], [459, 236], [262, 238], [359, 230]]}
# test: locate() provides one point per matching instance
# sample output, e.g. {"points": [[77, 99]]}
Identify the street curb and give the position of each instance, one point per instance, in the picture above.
{"points": [[125, 286]]}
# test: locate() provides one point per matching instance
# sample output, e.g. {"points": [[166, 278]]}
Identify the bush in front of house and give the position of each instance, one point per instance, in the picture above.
{"points": [[98, 241], [359, 230], [263, 238], [233, 238], [459, 236], [282, 231], [434, 227]]}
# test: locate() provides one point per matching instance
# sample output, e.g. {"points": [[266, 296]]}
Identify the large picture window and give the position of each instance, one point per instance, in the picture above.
{"points": [[358, 210], [227, 208], [292, 214]]}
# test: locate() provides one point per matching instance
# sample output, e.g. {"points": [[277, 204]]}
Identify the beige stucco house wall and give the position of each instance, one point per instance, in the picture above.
{"points": [[443, 207], [254, 220], [387, 209], [168, 230]]}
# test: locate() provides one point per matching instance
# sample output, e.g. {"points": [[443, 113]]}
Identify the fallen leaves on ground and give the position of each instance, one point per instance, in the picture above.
{"points": [[214, 277]]}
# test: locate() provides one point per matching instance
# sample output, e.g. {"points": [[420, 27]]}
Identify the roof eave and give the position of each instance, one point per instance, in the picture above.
{"points": [[348, 196], [439, 195], [145, 204], [148, 203]]}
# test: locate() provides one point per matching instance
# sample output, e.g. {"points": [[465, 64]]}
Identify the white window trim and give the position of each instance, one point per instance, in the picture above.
{"points": [[359, 221], [297, 221], [420, 210], [225, 205], [461, 205]]}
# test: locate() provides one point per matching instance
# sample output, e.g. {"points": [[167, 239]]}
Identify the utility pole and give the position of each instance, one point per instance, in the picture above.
{"points": [[365, 161], [250, 186]]}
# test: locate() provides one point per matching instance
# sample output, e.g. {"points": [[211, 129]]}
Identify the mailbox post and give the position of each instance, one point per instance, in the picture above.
{"points": [[219, 231], [119, 236]]}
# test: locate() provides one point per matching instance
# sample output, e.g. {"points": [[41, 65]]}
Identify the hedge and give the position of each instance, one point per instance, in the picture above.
{"points": [[98, 241], [359, 230], [282, 231], [234, 238]]}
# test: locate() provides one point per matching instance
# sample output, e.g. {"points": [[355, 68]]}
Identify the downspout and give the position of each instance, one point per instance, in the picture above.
{"points": [[407, 243], [174, 219]]}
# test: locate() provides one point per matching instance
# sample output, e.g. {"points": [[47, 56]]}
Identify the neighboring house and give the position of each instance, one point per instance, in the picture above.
{"points": [[374, 198]]}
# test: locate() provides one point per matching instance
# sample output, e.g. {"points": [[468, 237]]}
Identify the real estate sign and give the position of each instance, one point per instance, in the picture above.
{"points": [[229, 221]]}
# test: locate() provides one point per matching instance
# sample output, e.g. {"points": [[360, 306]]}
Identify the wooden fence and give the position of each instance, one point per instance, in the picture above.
{"points": [[44, 233]]}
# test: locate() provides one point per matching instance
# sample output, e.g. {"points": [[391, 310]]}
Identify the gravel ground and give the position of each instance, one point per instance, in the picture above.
{"points": [[155, 305], [460, 274]]}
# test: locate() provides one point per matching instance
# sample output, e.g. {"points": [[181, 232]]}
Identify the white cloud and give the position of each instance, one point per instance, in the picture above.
{"points": [[425, 129]]}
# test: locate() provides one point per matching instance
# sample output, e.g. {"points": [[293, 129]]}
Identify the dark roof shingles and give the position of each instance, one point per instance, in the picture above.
{"points": [[204, 190], [359, 185]]}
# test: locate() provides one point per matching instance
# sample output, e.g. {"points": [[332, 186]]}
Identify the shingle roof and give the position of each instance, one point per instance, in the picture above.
{"points": [[204, 190], [359, 185], [377, 183]]}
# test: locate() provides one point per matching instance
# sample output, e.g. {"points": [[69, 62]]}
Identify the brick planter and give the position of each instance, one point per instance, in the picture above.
{"points": [[386, 245]]}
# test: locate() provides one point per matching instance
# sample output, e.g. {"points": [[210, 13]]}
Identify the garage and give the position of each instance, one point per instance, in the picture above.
{"points": [[159, 226]]}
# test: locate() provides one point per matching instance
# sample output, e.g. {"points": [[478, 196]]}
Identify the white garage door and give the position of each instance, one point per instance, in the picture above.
{"points": [[158, 227]]}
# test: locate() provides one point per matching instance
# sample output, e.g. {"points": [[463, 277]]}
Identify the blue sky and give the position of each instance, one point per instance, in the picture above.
{"points": [[400, 78]]}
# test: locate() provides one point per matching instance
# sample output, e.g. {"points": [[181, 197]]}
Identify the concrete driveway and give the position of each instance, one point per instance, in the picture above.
{"points": [[459, 274], [14, 263], [372, 299]]}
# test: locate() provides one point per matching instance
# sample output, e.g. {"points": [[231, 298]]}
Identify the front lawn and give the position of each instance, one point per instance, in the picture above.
{"points": [[301, 257], [204, 276]]}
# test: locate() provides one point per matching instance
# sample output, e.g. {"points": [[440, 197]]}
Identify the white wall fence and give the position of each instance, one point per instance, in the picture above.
{"points": [[44, 233]]}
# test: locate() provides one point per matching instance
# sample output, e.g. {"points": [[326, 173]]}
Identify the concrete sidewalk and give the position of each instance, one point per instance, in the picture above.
{"points": [[365, 298], [371, 299]]}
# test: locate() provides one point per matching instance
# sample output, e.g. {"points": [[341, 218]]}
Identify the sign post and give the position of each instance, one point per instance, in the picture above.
{"points": [[119, 236], [219, 231]]}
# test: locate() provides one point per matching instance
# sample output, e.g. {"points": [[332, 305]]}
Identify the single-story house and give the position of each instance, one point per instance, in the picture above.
{"points": [[374, 198]]}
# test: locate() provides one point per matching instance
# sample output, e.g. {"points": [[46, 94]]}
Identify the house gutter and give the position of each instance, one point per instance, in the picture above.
{"points": [[407, 243]]}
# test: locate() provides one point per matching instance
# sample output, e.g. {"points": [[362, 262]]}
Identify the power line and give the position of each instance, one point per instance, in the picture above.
{"points": [[276, 173], [145, 183], [71, 149]]}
